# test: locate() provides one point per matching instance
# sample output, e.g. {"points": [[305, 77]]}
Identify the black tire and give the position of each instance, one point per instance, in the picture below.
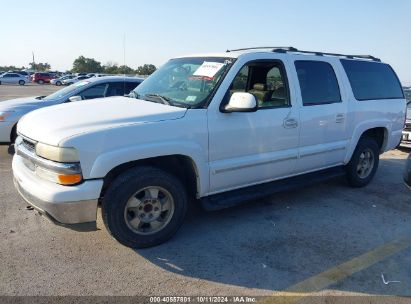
{"points": [[365, 145], [58, 83], [0, 82], [126, 186], [40, 81], [22, 82]]}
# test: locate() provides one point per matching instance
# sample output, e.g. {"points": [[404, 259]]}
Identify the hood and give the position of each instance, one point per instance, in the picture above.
{"points": [[53, 124], [19, 103]]}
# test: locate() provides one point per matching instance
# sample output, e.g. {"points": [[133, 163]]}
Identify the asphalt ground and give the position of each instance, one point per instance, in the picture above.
{"points": [[299, 246]]}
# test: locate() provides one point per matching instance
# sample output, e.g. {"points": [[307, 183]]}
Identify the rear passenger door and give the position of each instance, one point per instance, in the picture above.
{"points": [[323, 135]]}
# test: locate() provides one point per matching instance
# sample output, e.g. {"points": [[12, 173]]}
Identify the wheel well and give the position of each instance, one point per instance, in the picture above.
{"points": [[181, 166], [13, 133], [379, 135]]}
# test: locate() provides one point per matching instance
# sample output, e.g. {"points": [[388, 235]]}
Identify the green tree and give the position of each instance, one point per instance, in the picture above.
{"points": [[84, 65], [40, 66], [146, 69], [6, 68], [113, 68], [124, 69], [110, 68]]}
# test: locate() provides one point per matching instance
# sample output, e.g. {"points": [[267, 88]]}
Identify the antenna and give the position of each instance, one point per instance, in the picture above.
{"points": [[124, 63]]}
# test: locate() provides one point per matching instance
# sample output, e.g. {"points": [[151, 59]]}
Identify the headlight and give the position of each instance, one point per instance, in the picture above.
{"points": [[58, 154], [5, 114]]}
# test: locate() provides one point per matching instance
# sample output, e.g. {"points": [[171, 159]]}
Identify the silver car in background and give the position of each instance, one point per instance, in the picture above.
{"points": [[59, 81], [97, 87], [13, 78], [74, 79]]}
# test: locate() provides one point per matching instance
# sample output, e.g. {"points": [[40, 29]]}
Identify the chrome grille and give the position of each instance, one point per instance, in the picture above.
{"points": [[29, 145]]}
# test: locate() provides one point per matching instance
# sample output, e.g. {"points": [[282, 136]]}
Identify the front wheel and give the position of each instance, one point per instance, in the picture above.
{"points": [[144, 207], [364, 163], [58, 83], [22, 82]]}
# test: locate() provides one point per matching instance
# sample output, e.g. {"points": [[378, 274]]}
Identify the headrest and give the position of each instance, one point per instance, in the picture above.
{"points": [[260, 87]]}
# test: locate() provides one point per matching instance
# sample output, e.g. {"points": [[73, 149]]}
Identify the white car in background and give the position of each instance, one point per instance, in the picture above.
{"points": [[12, 110], [13, 78], [59, 81], [74, 80]]}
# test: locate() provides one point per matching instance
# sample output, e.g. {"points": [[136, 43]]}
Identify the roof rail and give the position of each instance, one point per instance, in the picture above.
{"points": [[282, 49], [285, 48], [340, 55]]}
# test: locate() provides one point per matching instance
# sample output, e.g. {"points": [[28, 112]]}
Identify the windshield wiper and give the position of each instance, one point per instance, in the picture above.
{"points": [[165, 100], [40, 97]]}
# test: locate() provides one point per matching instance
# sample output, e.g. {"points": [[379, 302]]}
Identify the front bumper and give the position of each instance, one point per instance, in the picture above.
{"points": [[63, 204]]}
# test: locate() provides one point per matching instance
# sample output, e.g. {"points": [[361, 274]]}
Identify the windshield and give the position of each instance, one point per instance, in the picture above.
{"points": [[185, 82], [63, 92]]}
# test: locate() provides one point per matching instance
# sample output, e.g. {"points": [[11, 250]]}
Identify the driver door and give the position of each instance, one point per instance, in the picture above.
{"points": [[255, 147]]}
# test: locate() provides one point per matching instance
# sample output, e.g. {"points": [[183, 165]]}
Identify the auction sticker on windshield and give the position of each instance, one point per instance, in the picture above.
{"points": [[208, 69]]}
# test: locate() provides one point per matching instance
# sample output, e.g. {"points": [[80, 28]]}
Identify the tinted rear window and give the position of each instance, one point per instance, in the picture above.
{"points": [[372, 80], [318, 82]]}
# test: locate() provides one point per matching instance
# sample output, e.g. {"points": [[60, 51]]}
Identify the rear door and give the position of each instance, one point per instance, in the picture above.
{"points": [[9, 78], [323, 135]]}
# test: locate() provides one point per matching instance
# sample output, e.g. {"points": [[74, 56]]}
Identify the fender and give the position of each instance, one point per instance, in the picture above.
{"points": [[105, 162], [363, 127]]}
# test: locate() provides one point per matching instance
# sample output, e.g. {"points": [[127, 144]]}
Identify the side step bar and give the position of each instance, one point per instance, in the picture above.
{"points": [[239, 196]]}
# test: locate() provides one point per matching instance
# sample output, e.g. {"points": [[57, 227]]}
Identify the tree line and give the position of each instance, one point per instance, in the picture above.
{"points": [[90, 65]]}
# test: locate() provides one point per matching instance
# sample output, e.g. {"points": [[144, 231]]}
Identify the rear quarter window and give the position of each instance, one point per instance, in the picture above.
{"points": [[372, 80]]}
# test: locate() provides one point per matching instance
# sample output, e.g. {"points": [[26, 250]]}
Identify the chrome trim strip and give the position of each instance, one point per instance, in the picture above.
{"points": [[309, 153], [64, 168], [260, 163]]}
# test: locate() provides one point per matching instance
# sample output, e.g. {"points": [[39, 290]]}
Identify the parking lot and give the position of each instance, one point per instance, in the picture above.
{"points": [[326, 239]]}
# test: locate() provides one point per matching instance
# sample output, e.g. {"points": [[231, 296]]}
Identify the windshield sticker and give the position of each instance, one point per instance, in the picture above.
{"points": [[191, 98], [208, 69], [206, 78]]}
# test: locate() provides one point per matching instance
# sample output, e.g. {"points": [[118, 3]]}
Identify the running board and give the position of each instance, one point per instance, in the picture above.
{"points": [[239, 196]]}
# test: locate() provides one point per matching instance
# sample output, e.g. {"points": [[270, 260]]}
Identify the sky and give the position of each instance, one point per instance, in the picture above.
{"points": [[157, 30]]}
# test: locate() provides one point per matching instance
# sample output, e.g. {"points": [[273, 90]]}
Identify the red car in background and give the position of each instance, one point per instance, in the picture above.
{"points": [[41, 78]]}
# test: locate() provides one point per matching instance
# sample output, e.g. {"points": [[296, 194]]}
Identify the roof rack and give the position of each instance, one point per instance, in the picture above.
{"points": [[285, 48], [294, 50]]}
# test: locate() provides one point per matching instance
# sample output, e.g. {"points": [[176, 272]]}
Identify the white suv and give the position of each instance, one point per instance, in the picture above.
{"points": [[215, 129]]}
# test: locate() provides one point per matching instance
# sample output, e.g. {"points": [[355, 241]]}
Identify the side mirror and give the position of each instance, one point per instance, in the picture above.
{"points": [[75, 98], [241, 102]]}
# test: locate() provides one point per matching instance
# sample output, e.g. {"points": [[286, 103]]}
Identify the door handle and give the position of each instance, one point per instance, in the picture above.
{"points": [[290, 123], [339, 118]]}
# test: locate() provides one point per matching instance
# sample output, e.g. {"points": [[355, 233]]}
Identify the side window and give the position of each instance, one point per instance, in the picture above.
{"points": [[318, 83], [131, 86], [372, 80], [116, 89], [96, 91], [266, 80], [240, 81]]}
